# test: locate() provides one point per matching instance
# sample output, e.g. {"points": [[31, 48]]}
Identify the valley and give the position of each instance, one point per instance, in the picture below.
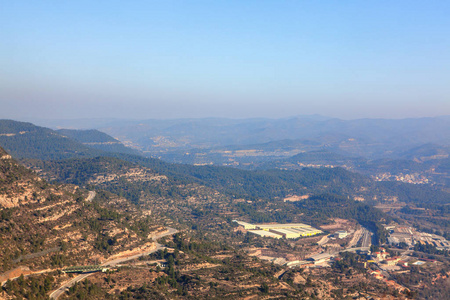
{"points": [[224, 150], [166, 230]]}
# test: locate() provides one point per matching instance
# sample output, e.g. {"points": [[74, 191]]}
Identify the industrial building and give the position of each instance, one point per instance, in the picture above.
{"points": [[286, 233], [310, 231], [245, 224], [282, 226], [264, 233], [293, 233], [320, 258], [289, 231], [341, 234]]}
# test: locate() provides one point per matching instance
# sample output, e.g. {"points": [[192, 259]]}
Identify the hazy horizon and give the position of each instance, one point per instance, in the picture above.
{"points": [[230, 118], [98, 123], [176, 59]]}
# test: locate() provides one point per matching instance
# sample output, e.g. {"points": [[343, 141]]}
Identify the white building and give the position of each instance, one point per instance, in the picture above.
{"points": [[245, 224], [264, 233], [341, 234]]}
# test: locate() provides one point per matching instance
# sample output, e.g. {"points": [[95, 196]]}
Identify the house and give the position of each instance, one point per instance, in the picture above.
{"points": [[392, 261]]}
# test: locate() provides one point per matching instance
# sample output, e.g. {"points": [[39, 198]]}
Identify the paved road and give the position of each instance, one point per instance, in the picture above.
{"points": [[111, 263], [114, 262], [366, 239], [67, 285], [366, 242]]}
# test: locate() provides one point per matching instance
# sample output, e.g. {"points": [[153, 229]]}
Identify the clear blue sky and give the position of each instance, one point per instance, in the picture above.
{"points": [[166, 59]]}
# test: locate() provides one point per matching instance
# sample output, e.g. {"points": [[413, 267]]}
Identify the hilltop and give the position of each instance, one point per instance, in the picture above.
{"points": [[25, 140], [97, 139]]}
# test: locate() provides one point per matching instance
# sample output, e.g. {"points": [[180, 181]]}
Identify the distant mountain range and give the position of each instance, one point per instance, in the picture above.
{"points": [[385, 149], [372, 138], [26, 141]]}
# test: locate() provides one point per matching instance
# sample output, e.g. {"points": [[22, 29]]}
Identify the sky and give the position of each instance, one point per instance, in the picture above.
{"points": [[238, 59]]}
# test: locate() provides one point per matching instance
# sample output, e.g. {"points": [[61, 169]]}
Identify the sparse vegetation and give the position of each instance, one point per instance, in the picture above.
{"points": [[49, 224]]}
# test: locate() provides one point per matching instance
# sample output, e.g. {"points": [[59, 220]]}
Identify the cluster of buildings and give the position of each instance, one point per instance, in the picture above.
{"points": [[288, 231], [381, 257], [414, 178], [409, 236]]}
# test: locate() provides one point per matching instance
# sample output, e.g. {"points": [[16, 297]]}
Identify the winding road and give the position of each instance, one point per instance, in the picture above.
{"points": [[112, 263]]}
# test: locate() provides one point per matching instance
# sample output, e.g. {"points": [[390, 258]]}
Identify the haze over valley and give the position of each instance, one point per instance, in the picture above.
{"points": [[224, 150]]}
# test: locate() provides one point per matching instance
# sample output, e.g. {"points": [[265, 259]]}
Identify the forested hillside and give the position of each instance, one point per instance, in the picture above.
{"points": [[25, 140], [96, 139], [58, 221]]}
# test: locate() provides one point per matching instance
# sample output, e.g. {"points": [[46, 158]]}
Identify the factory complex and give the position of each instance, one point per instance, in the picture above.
{"points": [[289, 231], [410, 236]]}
